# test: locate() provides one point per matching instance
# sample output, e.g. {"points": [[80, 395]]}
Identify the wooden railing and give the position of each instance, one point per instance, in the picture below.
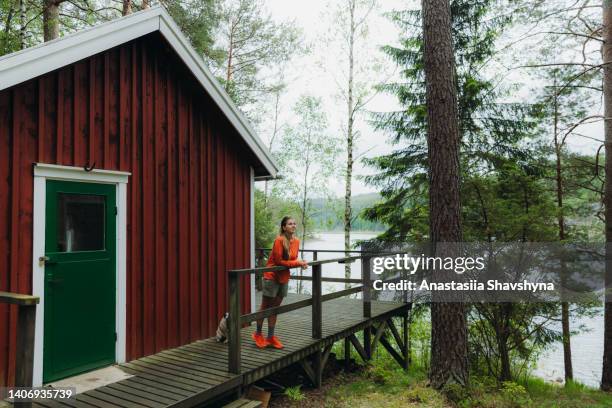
{"points": [[315, 252], [236, 320], [25, 335]]}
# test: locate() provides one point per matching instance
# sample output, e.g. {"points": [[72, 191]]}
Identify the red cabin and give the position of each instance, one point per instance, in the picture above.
{"points": [[126, 193]]}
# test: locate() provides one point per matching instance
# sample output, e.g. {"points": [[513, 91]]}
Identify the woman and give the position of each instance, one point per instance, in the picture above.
{"points": [[275, 283]]}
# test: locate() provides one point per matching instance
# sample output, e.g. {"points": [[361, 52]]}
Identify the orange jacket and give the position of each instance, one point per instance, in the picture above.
{"points": [[276, 259]]}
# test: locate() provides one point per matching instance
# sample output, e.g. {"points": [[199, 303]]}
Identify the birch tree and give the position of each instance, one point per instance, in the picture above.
{"points": [[308, 155], [353, 70], [606, 378]]}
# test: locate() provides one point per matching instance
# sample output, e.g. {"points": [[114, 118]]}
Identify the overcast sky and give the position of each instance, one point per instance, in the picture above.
{"points": [[314, 74]]}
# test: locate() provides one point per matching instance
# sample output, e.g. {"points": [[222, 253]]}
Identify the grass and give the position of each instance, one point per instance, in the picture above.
{"points": [[383, 384]]}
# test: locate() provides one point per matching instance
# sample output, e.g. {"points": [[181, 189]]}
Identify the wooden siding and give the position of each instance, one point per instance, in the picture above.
{"points": [[133, 108]]}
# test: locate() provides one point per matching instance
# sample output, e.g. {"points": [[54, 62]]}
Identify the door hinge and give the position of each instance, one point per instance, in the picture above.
{"points": [[115, 336], [116, 210]]}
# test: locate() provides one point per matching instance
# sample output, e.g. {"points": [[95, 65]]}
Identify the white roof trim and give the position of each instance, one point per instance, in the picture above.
{"points": [[32, 62]]}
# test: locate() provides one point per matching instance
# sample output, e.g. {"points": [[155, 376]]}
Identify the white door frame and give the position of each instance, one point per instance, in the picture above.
{"points": [[42, 173]]}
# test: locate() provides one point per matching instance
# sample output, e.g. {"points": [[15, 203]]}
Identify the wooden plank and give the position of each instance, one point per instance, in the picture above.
{"points": [[395, 333], [252, 404], [18, 299], [112, 399], [190, 368], [277, 310], [341, 293], [367, 342], [200, 364], [222, 357], [186, 376], [406, 349], [324, 279], [308, 370], [379, 332], [163, 378], [25, 345], [91, 401], [47, 403], [161, 388], [392, 351], [347, 354], [367, 287], [317, 365], [73, 402], [145, 392], [237, 404], [326, 353], [234, 346], [131, 398], [317, 311], [360, 350]]}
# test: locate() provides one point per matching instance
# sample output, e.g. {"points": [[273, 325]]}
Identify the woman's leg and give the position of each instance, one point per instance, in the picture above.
{"points": [[272, 319], [266, 302]]}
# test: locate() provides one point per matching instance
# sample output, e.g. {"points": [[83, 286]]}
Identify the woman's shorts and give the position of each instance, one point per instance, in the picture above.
{"points": [[271, 288]]}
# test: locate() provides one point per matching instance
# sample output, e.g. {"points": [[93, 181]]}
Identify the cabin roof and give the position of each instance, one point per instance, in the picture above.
{"points": [[35, 61]]}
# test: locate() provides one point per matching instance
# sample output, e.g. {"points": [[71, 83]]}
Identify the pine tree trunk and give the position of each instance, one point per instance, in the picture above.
{"points": [[606, 378], [348, 210], [448, 320], [51, 20]]}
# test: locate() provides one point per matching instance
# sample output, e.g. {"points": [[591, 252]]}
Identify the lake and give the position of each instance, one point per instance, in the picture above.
{"points": [[587, 347]]}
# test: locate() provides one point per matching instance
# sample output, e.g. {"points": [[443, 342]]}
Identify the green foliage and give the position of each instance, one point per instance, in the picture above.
{"points": [[294, 393], [198, 20], [21, 22], [265, 225], [312, 151], [382, 383], [455, 392], [328, 213], [252, 42], [515, 394], [493, 131]]}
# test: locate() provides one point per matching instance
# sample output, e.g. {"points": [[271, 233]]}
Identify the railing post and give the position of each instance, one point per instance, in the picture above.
{"points": [[234, 324], [367, 285], [367, 303], [317, 311], [24, 364], [406, 350], [317, 365]]}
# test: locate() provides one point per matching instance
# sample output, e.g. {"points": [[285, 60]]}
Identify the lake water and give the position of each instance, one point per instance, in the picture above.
{"points": [[587, 347]]}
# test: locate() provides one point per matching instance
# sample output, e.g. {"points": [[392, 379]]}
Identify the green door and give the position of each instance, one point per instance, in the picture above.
{"points": [[79, 278]]}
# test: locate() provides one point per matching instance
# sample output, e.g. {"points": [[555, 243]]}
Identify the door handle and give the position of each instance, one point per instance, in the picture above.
{"points": [[51, 280], [45, 260]]}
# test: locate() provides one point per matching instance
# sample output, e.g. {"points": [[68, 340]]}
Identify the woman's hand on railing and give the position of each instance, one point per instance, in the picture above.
{"points": [[304, 264]]}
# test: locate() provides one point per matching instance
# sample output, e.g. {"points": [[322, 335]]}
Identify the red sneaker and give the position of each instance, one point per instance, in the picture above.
{"points": [[260, 341], [275, 342]]}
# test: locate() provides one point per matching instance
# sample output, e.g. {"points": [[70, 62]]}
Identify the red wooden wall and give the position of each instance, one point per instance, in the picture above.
{"points": [[133, 108]]}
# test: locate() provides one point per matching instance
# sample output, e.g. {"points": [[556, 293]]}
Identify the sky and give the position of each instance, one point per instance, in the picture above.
{"points": [[314, 74], [318, 74]]}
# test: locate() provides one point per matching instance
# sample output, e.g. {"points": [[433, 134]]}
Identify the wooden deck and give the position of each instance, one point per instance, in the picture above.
{"points": [[194, 374]]}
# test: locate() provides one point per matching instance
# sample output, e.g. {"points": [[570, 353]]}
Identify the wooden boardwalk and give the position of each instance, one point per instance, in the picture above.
{"points": [[195, 374]]}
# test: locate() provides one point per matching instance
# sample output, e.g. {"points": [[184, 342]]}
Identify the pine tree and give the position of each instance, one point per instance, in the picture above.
{"points": [[449, 363]]}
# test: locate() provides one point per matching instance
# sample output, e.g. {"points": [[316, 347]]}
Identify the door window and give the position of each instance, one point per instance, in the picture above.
{"points": [[81, 221]]}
